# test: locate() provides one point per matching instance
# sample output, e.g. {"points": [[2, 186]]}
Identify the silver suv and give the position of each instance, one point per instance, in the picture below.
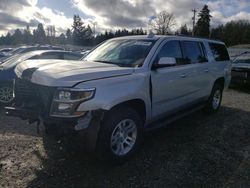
{"points": [[124, 86]]}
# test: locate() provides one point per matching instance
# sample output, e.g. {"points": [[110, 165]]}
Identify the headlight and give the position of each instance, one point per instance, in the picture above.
{"points": [[66, 101]]}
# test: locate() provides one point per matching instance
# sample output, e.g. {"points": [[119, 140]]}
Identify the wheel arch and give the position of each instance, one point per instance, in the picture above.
{"points": [[220, 81], [136, 104]]}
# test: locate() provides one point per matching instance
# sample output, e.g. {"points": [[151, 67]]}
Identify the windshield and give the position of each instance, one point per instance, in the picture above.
{"points": [[121, 52]]}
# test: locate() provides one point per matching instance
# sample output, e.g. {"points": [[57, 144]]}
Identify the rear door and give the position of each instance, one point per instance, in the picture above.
{"points": [[194, 52]]}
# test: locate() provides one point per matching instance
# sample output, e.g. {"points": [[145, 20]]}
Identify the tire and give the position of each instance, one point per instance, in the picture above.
{"points": [[51, 129], [214, 101], [6, 94], [120, 135]]}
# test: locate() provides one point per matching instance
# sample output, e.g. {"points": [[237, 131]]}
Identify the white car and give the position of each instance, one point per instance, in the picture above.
{"points": [[124, 86]]}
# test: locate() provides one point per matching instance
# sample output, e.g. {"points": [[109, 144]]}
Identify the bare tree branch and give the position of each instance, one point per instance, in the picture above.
{"points": [[163, 23]]}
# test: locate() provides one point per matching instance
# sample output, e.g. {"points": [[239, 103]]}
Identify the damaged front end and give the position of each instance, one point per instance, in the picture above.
{"points": [[56, 107]]}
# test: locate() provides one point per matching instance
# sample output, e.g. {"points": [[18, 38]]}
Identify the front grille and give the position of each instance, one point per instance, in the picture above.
{"points": [[33, 95]]}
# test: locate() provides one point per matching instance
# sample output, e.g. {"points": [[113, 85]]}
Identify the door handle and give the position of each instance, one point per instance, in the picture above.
{"points": [[184, 75], [206, 70]]}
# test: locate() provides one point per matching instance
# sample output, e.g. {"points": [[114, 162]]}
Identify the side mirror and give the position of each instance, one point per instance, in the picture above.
{"points": [[165, 62]]}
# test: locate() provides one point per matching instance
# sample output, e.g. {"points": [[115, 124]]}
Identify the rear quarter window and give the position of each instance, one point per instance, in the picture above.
{"points": [[219, 52]]}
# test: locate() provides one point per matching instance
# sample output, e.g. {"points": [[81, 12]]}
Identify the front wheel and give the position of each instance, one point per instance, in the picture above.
{"points": [[120, 135], [6, 94], [214, 101]]}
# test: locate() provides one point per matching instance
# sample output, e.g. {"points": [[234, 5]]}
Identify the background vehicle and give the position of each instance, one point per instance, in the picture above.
{"points": [[25, 49], [7, 74], [126, 85], [241, 70], [4, 50]]}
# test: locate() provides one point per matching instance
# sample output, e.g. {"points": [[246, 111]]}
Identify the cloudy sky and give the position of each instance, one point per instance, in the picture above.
{"points": [[112, 14]]}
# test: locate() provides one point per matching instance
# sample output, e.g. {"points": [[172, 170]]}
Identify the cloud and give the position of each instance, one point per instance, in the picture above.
{"points": [[17, 14], [114, 14], [136, 13]]}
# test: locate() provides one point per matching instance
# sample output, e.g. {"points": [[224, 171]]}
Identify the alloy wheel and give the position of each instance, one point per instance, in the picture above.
{"points": [[216, 99], [123, 137], [6, 94]]}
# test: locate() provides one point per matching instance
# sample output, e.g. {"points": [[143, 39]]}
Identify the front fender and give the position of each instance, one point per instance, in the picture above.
{"points": [[113, 91]]}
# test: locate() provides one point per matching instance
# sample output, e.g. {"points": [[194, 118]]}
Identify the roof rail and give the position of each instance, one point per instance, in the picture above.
{"points": [[182, 35]]}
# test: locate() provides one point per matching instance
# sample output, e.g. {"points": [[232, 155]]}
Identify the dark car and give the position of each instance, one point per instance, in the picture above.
{"points": [[4, 50], [7, 74], [25, 49], [241, 70]]}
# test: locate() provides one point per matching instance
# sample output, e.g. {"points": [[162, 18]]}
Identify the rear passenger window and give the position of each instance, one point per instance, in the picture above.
{"points": [[192, 52], [219, 51], [171, 49]]}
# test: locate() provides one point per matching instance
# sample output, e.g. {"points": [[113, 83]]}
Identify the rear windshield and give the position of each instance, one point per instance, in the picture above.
{"points": [[219, 51]]}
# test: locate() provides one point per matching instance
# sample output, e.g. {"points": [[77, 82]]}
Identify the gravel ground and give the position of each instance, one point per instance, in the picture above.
{"points": [[196, 151]]}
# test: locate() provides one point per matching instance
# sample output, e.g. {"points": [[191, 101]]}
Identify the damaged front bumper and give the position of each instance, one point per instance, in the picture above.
{"points": [[77, 123], [88, 125]]}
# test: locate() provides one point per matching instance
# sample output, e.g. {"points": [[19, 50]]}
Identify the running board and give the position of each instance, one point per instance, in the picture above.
{"points": [[172, 118]]}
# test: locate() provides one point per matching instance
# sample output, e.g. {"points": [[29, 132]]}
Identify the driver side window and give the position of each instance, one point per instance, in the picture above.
{"points": [[171, 49]]}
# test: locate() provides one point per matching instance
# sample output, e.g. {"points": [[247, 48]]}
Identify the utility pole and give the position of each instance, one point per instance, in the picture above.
{"points": [[193, 18]]}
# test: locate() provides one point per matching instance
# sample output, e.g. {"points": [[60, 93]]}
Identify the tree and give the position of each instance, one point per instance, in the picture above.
{"points": [[202, 27], [184, 30], [69, 36], [27, 36], [163, 23], [62, 39], [39, 35], [81, 34], [17, 37], [233, 33]]}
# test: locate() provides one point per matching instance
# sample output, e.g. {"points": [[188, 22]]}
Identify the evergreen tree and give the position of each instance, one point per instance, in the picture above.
{"points": [[202, 27], [17, 37], [184, 30], [62, 39], [27, 36], [69, 36], [81, 34], [39, 35]]}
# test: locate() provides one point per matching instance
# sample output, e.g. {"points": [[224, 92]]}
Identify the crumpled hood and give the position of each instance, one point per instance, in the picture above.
{"points": [[67, 73]]}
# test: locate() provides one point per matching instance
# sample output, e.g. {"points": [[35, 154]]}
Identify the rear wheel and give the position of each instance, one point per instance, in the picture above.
{"points": [[120, 135], [214, 101]]}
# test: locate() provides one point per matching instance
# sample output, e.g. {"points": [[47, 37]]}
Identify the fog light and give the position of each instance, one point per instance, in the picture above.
{"points": [[65, 106]]}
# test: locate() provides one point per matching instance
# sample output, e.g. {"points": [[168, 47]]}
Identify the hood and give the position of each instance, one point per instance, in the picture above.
{"points": [[67, 73], [240, 66]]}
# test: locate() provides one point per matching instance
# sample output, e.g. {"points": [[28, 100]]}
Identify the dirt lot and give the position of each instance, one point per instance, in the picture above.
{"points": [[197, 151]]}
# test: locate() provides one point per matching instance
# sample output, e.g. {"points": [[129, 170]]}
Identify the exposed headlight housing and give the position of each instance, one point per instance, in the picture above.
{"points": [[67, 100]]}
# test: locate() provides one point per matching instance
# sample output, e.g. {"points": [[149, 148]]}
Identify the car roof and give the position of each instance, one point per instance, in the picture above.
{"points": [[157, 37]]}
